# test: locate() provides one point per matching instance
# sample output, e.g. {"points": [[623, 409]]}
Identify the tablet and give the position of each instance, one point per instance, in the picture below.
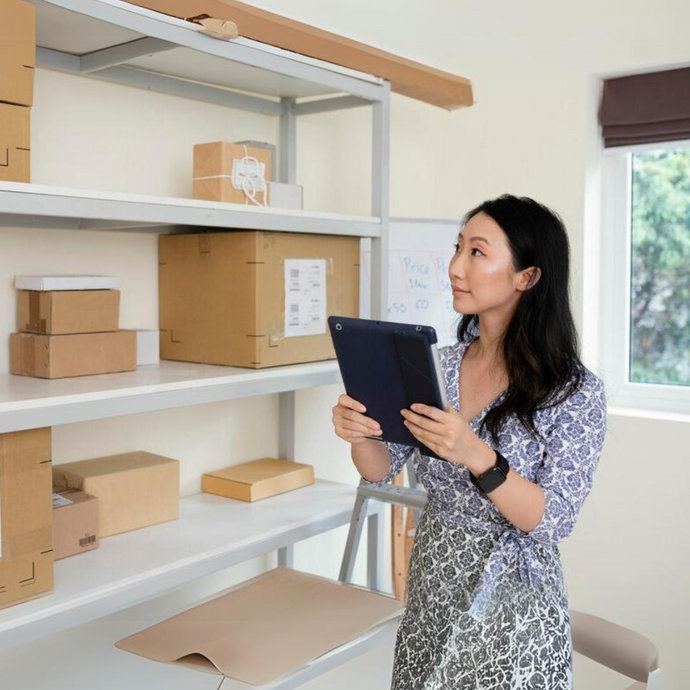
{"points": [[389, 366]]}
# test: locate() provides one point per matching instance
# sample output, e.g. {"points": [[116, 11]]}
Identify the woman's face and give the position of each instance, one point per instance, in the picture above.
{"points": [[482, 265]]}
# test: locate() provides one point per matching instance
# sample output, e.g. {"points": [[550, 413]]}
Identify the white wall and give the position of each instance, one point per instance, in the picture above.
{"points": [[532, 131]]}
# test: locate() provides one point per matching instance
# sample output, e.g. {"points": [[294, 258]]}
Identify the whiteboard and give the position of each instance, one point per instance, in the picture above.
{"points": [[419, 289]]}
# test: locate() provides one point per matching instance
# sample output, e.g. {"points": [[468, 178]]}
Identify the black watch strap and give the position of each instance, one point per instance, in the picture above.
{"points": [[494, 476]]}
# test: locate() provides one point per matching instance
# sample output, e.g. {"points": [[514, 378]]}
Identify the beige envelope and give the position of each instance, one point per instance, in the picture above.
{"points": [[265, 627]]}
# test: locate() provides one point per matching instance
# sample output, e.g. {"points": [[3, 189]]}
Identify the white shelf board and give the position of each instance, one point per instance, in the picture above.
{"points": [[211, 533], [33, 205], [81, 27], [28, 403]]}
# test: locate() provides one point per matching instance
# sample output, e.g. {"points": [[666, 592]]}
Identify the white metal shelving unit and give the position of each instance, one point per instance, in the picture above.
{"points": [[118, 42]]}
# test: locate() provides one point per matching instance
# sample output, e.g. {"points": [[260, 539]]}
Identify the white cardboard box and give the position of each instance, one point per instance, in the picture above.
{"points": [[283, 195], [148, 347], [66, 282]]}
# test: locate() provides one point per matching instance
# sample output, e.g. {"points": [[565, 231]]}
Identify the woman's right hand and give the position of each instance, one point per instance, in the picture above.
{"points": [[350, 423]]}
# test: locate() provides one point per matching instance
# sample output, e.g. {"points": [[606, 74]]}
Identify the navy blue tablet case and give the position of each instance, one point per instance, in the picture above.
{"points": [[388, 366]]}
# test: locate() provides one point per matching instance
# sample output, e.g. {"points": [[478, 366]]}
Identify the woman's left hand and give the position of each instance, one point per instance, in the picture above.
{"points": [[448, 435]]}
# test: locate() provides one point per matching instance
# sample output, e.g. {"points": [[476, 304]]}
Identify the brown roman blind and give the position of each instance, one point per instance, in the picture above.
{"points": [[643, 108]]}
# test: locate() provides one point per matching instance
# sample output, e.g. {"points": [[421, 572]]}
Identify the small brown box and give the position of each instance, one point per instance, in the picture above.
{"points": [[257, 479], [75, 523], [15, 143], [63, 312], [26, 516], [222, 296], [17, 52], [81, 354], [133, 489], [213, 167]]}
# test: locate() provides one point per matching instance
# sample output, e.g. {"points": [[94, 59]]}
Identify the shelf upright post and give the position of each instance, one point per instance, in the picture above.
{"points": [[287, 172]]}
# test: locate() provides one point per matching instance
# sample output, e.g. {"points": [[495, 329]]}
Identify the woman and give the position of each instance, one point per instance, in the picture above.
{"points": [[487, 605]]}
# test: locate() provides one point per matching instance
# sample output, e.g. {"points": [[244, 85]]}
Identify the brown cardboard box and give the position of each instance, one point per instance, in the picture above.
{"points": [[213, 166], [26, 516], [15, 143], [407, 77], [257, 479], [133, 489], [222, 296], [17, 52], [75, 523], [79, 354], [68, 311]]}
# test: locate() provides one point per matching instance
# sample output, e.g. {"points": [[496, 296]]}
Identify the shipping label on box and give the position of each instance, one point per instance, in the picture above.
{"points": [[305, 297]]}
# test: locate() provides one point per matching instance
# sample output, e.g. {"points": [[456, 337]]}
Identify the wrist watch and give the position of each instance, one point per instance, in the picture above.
{"points": [[494, 476]]}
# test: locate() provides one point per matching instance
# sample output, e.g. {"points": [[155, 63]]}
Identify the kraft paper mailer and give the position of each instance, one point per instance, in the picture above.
{"points": [[265, 627]]}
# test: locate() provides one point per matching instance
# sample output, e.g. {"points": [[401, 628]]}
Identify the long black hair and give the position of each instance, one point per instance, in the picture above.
{"points": [[540, 344]]}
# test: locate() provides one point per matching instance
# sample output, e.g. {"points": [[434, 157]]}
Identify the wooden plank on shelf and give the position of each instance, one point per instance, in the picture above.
{"points": [[407, 77]]}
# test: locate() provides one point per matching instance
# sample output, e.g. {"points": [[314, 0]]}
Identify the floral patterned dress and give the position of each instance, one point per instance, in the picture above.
{"points": [[487, 605]]}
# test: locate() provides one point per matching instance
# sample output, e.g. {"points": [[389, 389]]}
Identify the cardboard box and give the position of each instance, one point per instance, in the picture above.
{"points": [[148, 347], [26, 516], [66, 282], [15, 143], [257, 479], [218, 172], [75, 523], [407, 77], [17, 52], [134, 490], [223, 300], [80, 354], [68, 311], [283, 195]]}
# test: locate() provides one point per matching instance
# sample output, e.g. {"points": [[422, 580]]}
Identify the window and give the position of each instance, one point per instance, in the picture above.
{"points": [[645, 301]]}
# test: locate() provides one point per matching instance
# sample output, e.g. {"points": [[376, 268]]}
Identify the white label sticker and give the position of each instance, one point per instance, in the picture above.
{"points": [[305, 297], [59, 501]]}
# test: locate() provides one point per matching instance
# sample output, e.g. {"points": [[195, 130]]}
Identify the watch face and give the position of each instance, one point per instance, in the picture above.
{"points": [[492, 480]]}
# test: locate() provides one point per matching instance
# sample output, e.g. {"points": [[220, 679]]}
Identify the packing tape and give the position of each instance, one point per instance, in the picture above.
{"points": [[34, 310]]}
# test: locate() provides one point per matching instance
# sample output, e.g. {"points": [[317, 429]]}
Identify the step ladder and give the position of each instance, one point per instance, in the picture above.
{"points": [[412, 497]]}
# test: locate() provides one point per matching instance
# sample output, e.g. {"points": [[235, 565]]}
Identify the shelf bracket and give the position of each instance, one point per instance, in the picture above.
{"points": [[116, 55]]}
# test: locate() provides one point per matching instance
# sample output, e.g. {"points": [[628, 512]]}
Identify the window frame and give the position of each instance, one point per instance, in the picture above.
{"points": [[665, 400]]}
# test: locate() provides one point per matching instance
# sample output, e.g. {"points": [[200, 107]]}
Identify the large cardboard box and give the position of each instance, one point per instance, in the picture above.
{"points": [[133, 489], [15, 143], [219, 173], [80, 354], [68, 311], [75, 523], [17, 52], [26, 516], [257, 479], [254, 298]]}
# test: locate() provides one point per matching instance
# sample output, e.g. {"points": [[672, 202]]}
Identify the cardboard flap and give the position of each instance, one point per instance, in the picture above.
{"points": [[242, 632]]}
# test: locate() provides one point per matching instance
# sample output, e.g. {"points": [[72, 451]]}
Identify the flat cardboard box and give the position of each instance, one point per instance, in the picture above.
{"points": [[17, 52], [68, 311], [15, 143], [241, 633], [75, 523], [407, 77], [213, 172], [26, 516], [66, 282], [223, 296], [134, 490], [257, 479], [80, 354]]}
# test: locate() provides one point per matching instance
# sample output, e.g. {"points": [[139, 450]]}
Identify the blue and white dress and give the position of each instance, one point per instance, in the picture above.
{"points": [[487, 605]]}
